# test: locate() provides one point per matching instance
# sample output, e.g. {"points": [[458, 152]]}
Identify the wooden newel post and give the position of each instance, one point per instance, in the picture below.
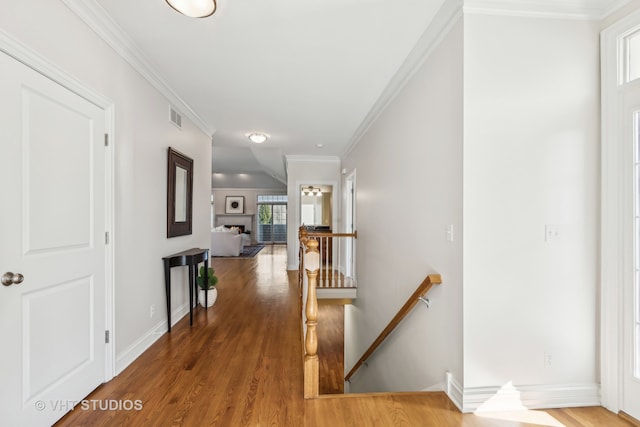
{"points": [[302, 233], [302, 237], [311, 365]]}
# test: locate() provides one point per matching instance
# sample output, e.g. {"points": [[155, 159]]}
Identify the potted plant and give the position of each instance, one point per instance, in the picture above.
{"points": [[209, 287]]}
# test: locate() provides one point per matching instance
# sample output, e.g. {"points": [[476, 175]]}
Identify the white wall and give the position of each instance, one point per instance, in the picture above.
{"points": [[307, 170], [409, 186], [531, 157], [253, 180], [142, 135]]}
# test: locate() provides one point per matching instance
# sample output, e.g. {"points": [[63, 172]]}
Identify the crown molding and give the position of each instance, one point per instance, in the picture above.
{"points": [[588, 10], [614, 6], [449, 14], [99, 21]]}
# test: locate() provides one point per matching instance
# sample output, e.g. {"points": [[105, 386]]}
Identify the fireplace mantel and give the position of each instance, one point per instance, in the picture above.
{"points": [[245, 220]]}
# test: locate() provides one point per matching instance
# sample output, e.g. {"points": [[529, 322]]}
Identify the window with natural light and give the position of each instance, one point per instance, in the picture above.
{"points": [[632, 55], [272, 218]]}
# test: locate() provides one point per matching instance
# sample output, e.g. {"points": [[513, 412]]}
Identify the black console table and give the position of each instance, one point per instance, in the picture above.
{"points": [[191, 258]]}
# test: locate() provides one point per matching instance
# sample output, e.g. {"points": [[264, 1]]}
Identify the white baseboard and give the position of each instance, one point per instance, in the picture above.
{"points": [[510, 397], [454, 390], [435, 387], [131, 353]]}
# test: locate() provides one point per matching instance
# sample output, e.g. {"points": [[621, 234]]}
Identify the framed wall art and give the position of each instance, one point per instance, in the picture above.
{"points": [[234, 205]]}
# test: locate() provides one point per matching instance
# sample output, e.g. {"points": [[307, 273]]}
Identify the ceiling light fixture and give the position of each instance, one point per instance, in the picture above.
{"points": [[311, 191], [194, 8], [258, 137]]}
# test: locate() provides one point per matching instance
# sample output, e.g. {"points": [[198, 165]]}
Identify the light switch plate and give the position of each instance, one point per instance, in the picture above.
{"points": [[551, 232]]}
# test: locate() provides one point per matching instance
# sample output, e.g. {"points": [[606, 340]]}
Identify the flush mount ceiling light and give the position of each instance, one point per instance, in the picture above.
{"points": [[258, 137], [194, 8]]}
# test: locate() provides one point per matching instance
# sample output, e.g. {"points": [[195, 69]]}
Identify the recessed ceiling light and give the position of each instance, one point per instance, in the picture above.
{"points": [[194, 8], [319, 145], [258, 137]]}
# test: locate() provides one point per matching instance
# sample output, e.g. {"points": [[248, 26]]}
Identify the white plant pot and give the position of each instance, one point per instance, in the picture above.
{"points": [[211, 298]]}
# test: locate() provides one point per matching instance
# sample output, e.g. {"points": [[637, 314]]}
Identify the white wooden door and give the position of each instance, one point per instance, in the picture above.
{"points": [[52, 231], [631, 309]]}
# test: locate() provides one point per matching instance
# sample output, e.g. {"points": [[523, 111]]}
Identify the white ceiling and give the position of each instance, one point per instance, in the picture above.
{"points": [[306, 72]]}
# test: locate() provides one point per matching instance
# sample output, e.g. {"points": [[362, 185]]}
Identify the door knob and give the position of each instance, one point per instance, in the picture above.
{"points": [[9, 278]]}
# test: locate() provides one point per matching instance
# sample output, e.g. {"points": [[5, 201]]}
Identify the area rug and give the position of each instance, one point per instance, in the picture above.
{"points": [[247, 252], [251, 251]]}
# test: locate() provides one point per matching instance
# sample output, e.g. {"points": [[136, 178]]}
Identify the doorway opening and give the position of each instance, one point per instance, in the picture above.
{"points": [[272, 219]]}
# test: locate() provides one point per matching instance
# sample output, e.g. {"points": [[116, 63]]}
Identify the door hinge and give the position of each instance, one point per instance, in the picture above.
{"points": [[106, 238], [106, 337], [106, 139]]}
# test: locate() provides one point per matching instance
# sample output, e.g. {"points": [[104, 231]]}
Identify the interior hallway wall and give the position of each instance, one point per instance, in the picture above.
{"points": [[409, 189], [531, 164]]}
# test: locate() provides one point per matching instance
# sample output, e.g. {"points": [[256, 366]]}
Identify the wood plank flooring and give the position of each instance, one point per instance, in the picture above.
{"points": [[240, 365], [331, 348]]}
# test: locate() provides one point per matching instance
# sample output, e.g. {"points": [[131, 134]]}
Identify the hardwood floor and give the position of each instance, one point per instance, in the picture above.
{"points": [[241, 365], [331, 348]]}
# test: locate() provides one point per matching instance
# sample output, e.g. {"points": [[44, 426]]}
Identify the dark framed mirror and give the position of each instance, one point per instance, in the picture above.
{"points": [[179, 194]]}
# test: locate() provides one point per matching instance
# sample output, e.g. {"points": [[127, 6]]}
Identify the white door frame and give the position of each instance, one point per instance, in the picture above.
{"points": [[350, 215], [34, 60], [335, 189], [614, 231]]}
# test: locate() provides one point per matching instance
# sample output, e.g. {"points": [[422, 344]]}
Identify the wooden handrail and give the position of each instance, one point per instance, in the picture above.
{"points": [[321, 234], [427, 283]]}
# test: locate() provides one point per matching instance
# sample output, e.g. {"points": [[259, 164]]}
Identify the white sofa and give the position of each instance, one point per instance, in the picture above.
{"points": [[226, 242]]}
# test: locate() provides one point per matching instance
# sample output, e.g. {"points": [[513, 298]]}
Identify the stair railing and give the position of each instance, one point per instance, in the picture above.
{"points": [[331, 271], [418, 295], [316, 254], [311, 364]]}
